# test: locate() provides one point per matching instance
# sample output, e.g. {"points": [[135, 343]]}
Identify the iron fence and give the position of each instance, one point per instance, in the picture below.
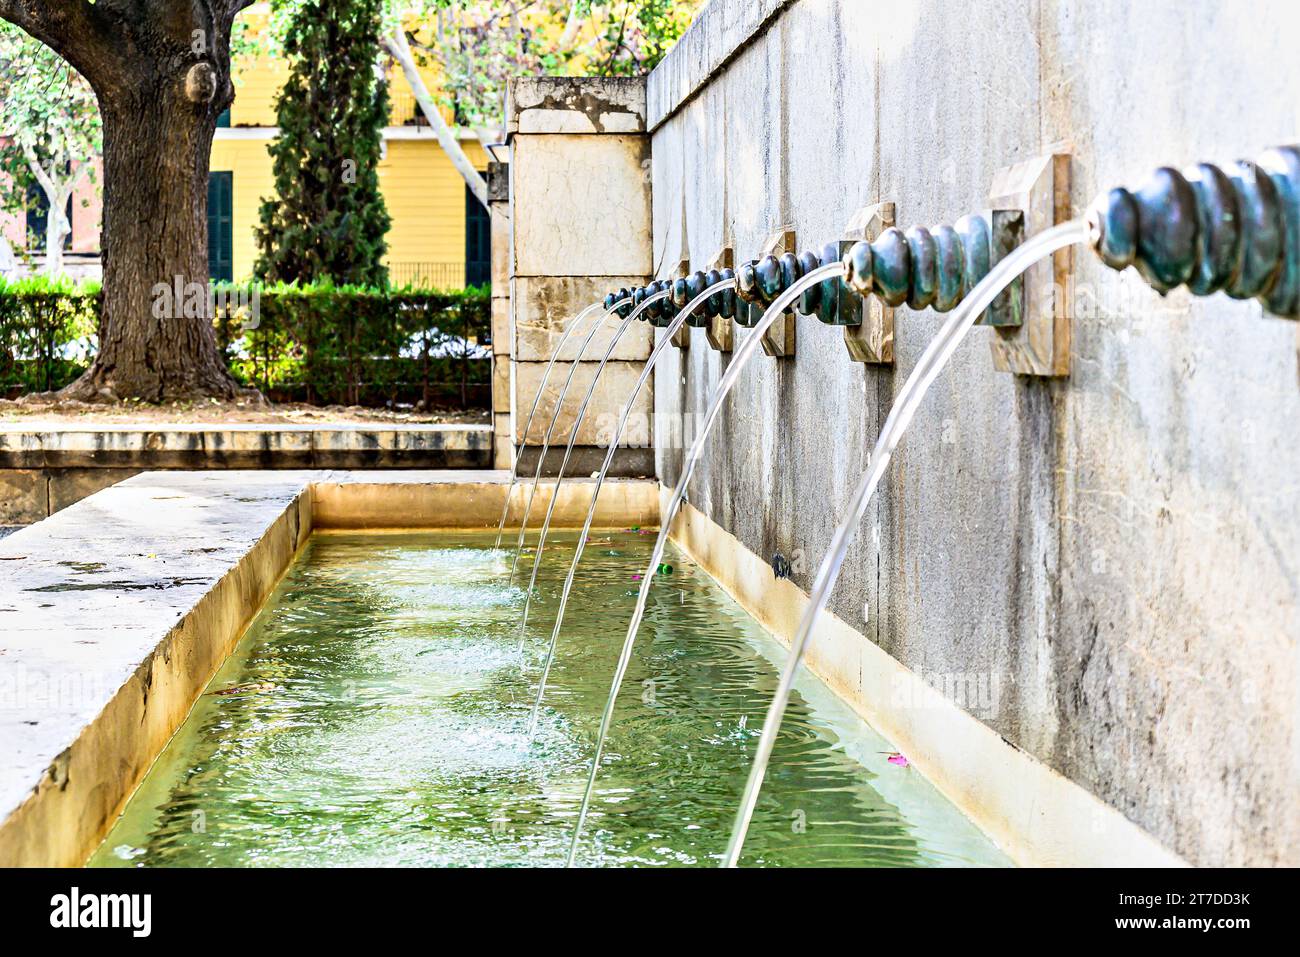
{"points": [[426, 275]]}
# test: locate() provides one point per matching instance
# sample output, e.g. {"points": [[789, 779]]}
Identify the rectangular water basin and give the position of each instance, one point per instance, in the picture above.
{"points": [[376, 711]]}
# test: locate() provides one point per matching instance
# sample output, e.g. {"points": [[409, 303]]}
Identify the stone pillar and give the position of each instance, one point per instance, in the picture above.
{"points": [[498, 181], [580, 228]]}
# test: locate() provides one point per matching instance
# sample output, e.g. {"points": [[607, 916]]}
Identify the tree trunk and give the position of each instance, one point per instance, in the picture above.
{"points": [[57, 190], [161, 72], [54, 233], [151, 346]]}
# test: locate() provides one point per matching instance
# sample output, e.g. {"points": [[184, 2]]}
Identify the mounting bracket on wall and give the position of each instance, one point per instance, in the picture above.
{"points": [[719, 329], [1032, 317], [682, 337], [778, 341], [868, 322]]}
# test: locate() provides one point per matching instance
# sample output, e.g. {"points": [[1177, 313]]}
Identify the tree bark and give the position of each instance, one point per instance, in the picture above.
{"points": [[155, 235], [161, 72]]}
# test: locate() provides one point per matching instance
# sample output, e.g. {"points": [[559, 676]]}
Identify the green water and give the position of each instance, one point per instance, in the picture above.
{"points": [[375, 714]]}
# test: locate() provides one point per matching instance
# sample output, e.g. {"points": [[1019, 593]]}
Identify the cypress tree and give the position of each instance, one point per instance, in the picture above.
{"points": [[328, 220]]}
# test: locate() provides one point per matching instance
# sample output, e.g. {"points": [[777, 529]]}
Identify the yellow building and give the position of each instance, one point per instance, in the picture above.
{"points": [[439, 235]]}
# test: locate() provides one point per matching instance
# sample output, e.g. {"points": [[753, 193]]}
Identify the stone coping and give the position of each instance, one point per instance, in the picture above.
{"points": [[115, 613], [398, 445], [719, 34], [575, 105], [36, 425]]}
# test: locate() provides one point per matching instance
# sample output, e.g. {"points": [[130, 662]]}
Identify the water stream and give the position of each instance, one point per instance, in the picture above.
{"points": [[528, 423], [660, 347], [568, 452], [550, 431], [739, 360], [931, 363]]}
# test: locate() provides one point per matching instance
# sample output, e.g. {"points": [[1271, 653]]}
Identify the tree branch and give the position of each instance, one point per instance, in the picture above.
{"points": [[488, 137], [43, 178], [396, 44], [571, 27], [78, 31]]}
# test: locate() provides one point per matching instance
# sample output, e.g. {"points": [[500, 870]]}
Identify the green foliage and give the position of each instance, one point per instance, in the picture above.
{"points": [[637, 35], [352, 345], [478, 45], [357, 345], [46, 332], [327, 220], [50, 127]]}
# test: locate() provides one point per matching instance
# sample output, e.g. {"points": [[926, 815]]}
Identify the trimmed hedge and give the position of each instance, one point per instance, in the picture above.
{"points": [[359, 346], [47, 332], [319, 344]]}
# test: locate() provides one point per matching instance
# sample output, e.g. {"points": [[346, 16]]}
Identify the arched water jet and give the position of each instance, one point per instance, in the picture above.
{"points": [[528, 423], [748, 278], [928, 367], [611, 308], [725, 284], [1236, 231], [646, 304]]}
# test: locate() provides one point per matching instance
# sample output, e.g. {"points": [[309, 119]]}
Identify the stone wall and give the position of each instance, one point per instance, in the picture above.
{"points": [[580, 157], [498, 182], [1113, 557]]}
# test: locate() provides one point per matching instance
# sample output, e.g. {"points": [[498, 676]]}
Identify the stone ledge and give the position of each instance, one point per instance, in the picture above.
{"points": [[115, 613], [247, 446]]}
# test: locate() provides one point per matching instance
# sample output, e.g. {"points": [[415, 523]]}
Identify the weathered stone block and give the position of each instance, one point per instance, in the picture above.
{"points": [[501, 384], [503, 453], [24, 497], [581, 206], [544, 306], [407, 447], [257, 448], [123, 447], [21, 450], [547, 104], [70, 486], [587, 460], [501, 259], [501, 336], [597, 427]]}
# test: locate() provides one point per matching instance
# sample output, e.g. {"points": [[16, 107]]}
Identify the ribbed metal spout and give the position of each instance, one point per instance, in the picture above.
{"points": [[1234, 229]]}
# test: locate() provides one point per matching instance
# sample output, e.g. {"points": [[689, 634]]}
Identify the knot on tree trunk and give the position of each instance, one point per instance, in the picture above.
{"points": [[201, 83]]}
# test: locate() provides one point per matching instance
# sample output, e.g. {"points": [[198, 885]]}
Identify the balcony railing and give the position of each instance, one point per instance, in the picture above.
{"points": [[406, 109], [427, 275]]}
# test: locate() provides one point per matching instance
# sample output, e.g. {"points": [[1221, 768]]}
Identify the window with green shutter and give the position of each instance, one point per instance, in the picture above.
{"points": [[221, 233], [478, 242]]}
